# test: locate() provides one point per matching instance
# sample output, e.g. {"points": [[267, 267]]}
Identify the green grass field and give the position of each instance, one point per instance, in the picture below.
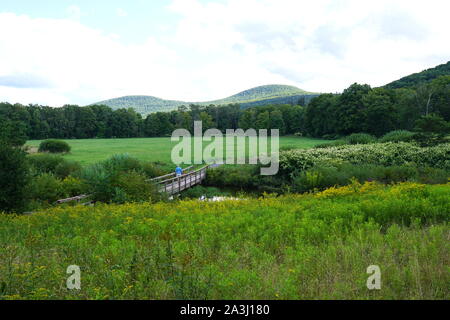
{"points": [[88, 151]]}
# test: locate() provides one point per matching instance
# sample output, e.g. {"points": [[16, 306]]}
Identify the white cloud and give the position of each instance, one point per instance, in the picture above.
{"points": [[219, 49], [121, 12], [74, 12]]}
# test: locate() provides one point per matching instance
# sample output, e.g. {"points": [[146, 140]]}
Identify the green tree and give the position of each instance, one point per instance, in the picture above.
{"points": [[276, 121], [263, 120], [432, 123], [13, 178], [351, 110], [207, 121], [380, 111]]}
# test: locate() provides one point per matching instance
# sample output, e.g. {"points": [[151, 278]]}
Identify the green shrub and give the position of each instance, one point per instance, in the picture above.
{"points": [[122, 163], [397, 136], [151, 170], [72, 187], [429, 139], [133, 187], [13, 178], [45, 188], [322, 177], [54, 146], [67, 168], [99, 182], [119, 179], [44, 162], [383, 154], [360, 138], [433, 176], [239, 176]]}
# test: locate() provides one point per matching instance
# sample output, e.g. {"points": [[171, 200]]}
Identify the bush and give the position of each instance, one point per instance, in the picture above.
{"points": [[151, 170], [13, 178], [428, 139], [72, 187], [44, 162], [99, 182], [383, 154], [433, 176], [122, 163], [322, 177], [397, 136], [67, 168], [120, 179], [45, 188], [54, 146], [239, 176], [360, 138], [132, 187]]}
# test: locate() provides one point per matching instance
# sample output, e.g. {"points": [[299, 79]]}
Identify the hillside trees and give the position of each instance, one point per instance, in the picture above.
{"points": [[377, 111]]}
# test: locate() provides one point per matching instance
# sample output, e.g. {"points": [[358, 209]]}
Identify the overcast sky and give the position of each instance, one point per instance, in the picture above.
{"points": [[80, 52]]}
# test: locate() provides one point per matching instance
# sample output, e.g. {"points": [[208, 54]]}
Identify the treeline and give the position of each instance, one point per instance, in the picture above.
{"points": [[21, 122], [359, 108]]}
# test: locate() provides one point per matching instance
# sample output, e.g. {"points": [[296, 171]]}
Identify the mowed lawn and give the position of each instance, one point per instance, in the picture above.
{"points": [[88, 151]]}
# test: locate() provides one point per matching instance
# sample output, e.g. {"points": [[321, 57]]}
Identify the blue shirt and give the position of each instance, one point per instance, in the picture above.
{"points": [[178, 170]]}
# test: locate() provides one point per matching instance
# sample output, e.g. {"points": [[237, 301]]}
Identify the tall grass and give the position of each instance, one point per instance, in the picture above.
{"points": [[291, 247]]}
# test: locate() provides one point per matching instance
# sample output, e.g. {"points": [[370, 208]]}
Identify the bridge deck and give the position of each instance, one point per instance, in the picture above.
{"points": [[177, 184]]}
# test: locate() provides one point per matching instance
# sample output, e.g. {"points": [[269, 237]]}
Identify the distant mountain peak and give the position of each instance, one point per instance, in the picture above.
{"points": [[270, 93]]}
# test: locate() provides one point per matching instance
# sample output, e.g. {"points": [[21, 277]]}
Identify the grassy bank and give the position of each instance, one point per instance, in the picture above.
{"points": [[291, 247]]}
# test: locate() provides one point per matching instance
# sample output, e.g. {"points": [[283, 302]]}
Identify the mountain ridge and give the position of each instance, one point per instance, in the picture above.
{"points": [[254, 96], [422, 77]]}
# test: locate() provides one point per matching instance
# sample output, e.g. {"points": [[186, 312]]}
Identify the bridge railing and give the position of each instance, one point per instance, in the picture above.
{"points": [[156, 180], [182, 182]]}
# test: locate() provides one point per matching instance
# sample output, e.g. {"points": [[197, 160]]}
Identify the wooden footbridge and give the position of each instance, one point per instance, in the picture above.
{"points": [[169, 183], [172, 184]]}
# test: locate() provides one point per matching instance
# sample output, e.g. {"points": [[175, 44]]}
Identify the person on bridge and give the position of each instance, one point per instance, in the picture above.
{"points": [[178, 171]]}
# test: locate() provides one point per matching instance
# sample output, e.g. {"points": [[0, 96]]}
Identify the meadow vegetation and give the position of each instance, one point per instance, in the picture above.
{"points": [[312, 246]]}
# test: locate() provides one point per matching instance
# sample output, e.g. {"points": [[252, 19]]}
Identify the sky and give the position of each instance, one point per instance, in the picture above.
{"points": [[80, 52]]}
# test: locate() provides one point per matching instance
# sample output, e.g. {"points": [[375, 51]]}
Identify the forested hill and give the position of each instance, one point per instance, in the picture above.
{"points": [[420, 77], [261, 95]]}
